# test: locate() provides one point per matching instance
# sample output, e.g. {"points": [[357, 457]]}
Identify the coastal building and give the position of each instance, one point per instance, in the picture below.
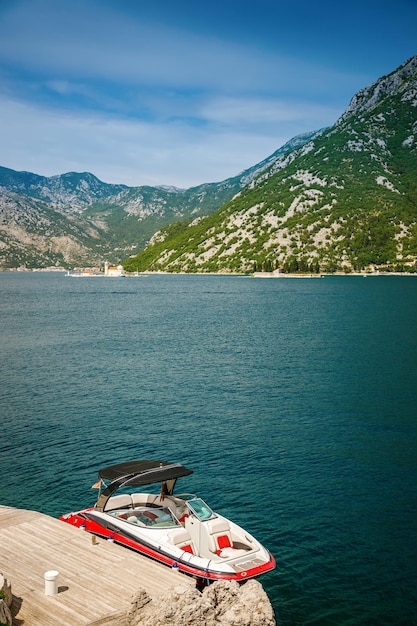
{"points": [[113, 270]]}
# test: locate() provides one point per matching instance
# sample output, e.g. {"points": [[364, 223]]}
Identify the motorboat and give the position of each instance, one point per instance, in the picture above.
{"points": [[180, 531]]}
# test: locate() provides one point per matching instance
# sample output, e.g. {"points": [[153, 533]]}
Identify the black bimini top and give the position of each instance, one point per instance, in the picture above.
{"points": [[144, 472], [137, 473]]}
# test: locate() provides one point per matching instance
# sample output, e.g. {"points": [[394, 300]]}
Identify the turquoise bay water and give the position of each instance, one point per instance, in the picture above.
{"points": [[294, 401]]}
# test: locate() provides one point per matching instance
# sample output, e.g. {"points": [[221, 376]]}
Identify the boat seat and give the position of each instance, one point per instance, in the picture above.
{"points": [[141, 499], [220, 540], [176, 505], [167, 501], [122, 501], [181, 538]]}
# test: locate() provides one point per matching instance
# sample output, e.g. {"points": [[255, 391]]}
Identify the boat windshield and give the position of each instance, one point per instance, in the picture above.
{"points": [[150, 517], [200, 509]]}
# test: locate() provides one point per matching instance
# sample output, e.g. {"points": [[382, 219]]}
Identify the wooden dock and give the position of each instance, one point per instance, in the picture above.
{"points": [[95, 583]]}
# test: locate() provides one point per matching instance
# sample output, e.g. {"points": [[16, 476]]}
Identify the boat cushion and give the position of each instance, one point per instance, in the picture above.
{"points": [[187, 548], [217, 526], [223, 541], [182, 539], [220, 539], [150, 515], [122, 501]]}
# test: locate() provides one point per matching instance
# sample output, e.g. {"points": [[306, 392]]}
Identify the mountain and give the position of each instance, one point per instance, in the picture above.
{"points": [[71, 192], [76, 219], [346, 199]]}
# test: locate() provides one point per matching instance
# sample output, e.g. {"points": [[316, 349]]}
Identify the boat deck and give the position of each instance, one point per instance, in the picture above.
{"points": [[96, 581]]}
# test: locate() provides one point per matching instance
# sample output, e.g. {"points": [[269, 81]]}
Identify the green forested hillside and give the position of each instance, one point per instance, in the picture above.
{"points": [[346, 200]]}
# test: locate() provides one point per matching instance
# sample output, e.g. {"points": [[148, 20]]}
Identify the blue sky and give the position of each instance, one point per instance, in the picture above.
{"points": [[183, 92]]}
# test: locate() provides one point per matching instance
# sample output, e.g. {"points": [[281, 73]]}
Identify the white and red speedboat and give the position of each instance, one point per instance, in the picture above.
{"points": [[177, 530]]}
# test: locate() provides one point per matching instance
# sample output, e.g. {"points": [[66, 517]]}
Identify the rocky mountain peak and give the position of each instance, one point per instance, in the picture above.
{"points": [[395, 83]]}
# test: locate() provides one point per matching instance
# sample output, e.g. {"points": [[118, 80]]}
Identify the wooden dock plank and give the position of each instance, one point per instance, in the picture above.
{"points": [[95, 584]]}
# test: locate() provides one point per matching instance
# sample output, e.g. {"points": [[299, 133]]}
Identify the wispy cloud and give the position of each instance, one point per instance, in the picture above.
{"points": [[120, 90], [263, 113], [102, 44], [125, 150]]}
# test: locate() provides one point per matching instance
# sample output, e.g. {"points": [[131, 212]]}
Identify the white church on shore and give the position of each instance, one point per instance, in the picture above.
{"points": [[113, 270]]}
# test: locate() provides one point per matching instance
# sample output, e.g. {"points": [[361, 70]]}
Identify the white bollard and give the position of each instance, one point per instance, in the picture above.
{"points": [[51, 583]]}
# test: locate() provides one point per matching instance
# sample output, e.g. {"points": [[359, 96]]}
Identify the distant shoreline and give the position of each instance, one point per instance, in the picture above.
{"points": [[61, 270]]}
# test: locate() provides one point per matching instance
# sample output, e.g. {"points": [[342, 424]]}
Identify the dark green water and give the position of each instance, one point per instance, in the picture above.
{"points": [[294, 401]]}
